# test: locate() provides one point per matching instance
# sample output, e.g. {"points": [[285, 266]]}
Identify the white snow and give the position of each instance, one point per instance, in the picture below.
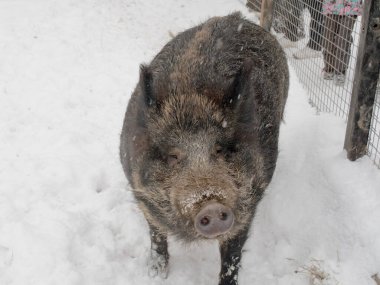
{"points": [[67, 69]]}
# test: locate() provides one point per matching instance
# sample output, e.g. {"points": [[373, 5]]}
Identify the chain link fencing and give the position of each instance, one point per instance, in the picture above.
{"points": [[324, 48]]}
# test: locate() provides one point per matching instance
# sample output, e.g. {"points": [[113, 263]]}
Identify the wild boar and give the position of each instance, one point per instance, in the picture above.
{"points": [[199, 142]]}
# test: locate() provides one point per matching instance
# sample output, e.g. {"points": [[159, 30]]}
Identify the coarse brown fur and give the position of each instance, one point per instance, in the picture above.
{"points": [[202, 125]]}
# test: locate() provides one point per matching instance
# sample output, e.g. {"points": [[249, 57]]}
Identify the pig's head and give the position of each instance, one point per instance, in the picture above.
{"points": [[200, 171]]}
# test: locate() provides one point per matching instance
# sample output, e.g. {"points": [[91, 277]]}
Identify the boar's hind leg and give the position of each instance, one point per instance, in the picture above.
{"points": [[230, 254], [159, 256]]}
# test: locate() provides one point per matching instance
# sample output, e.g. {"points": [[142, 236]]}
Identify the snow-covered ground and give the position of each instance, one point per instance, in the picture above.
{"points": [[67, 69]]}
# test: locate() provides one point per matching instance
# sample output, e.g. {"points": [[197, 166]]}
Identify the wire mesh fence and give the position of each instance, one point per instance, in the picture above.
{"points": [[326, 75], [255, 5], [374, 131], [322, 44]]}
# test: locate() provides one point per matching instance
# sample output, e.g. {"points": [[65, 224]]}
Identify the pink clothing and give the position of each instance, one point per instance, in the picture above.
{"points": [[342, 7]]}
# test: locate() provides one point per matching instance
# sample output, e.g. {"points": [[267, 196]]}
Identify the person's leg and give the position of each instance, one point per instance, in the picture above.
{"points": [[343, 42], [343, 48], [329, 45], [316, 24]]}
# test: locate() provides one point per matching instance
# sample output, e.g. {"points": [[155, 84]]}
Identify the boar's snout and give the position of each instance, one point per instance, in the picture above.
{"points": [[214, 219]]}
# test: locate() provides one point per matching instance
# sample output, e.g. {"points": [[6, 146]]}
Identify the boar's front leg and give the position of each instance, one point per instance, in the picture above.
{"points": [[230, 254], [159, 255]]}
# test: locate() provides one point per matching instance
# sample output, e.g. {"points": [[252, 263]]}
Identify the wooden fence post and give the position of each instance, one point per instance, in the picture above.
{"points": [[365, 82], [266, 17]]}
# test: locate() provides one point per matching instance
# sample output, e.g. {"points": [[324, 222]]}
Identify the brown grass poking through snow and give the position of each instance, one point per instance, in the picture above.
{"points": [[317, 276]]}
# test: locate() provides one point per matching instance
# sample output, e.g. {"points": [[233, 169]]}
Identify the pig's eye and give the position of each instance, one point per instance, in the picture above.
{"points": [[174, 157], [218, 149]]}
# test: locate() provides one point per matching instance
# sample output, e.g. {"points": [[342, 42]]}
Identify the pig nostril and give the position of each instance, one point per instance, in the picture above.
{"points": [[213, 219], [223, 216], [205, 221]]}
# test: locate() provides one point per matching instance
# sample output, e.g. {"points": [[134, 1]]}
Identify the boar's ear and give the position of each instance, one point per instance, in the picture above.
{"points": [[237, 91], [146, 85]]}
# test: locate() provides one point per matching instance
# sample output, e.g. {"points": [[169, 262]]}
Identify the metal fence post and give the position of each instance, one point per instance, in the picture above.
{"points": [[266, 17], [365, 82]]}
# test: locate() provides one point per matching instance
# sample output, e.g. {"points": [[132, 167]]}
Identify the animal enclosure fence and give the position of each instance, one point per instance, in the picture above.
{"points": [[336, 55]]}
